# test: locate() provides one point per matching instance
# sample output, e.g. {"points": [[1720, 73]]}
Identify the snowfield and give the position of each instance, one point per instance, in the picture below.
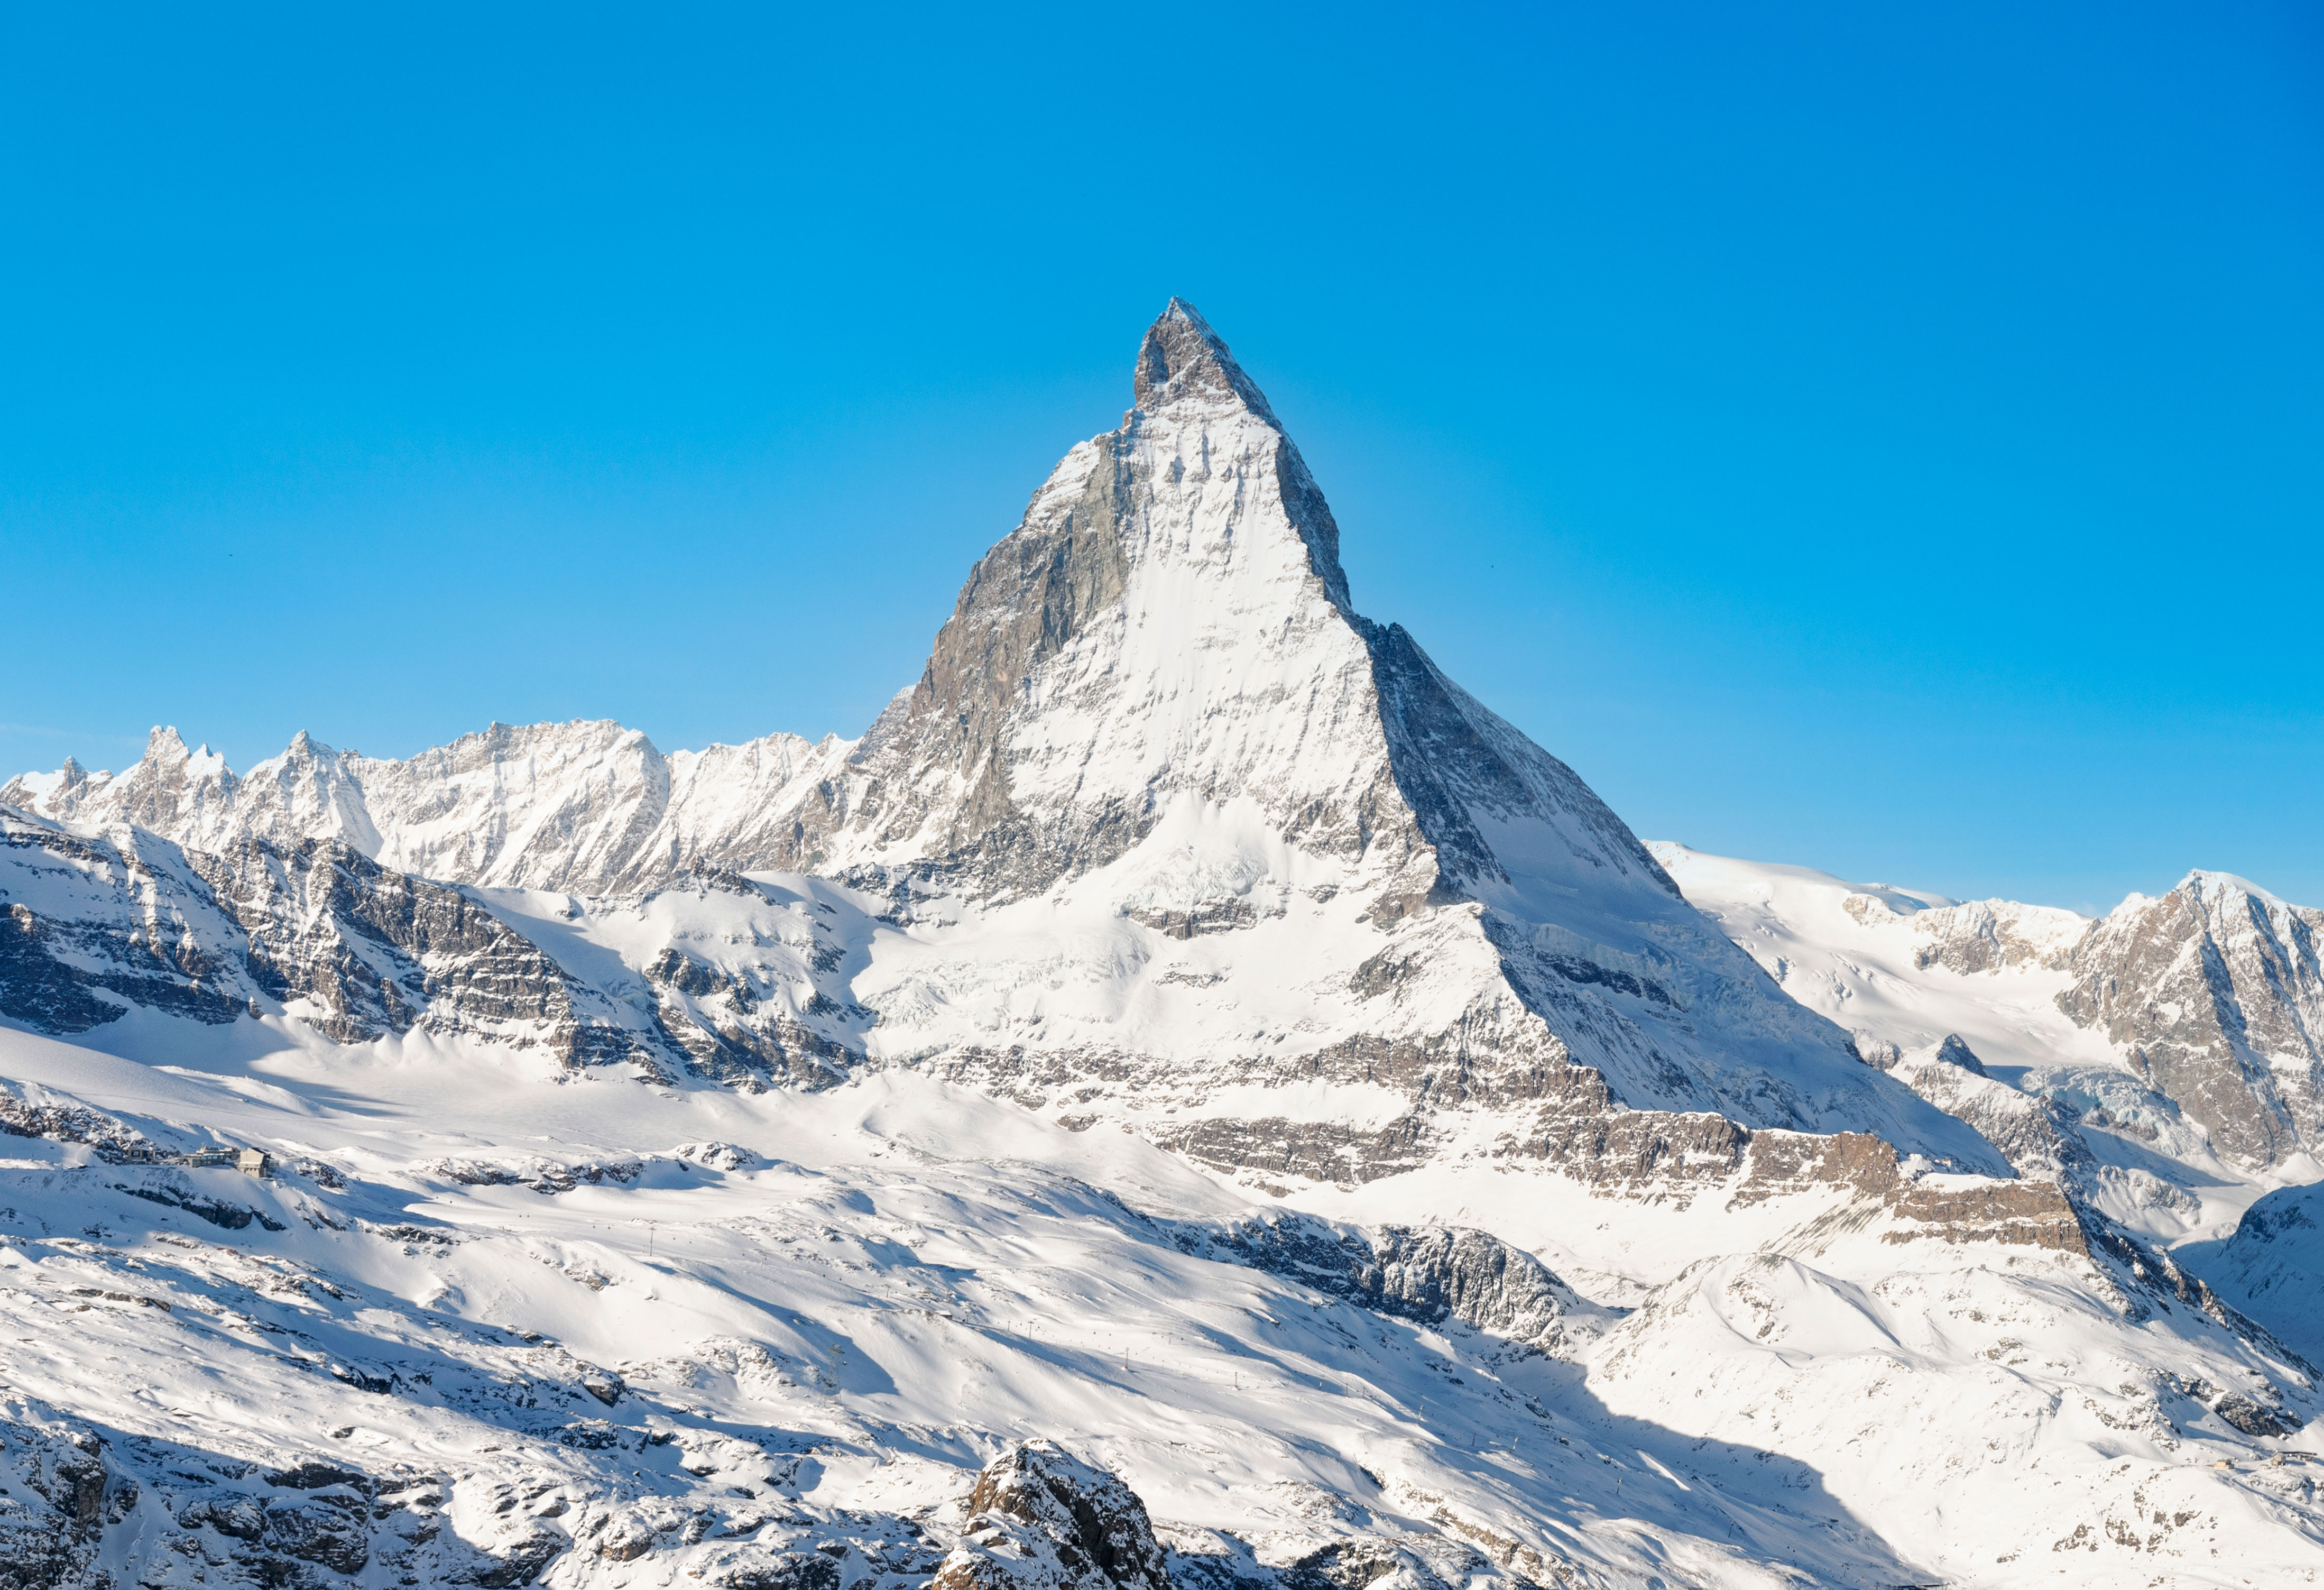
{"points": [[1189, 1100], [817, 1315]]}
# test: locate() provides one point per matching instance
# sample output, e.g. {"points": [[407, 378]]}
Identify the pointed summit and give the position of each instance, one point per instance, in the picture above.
{"points": [[1183, 360]]}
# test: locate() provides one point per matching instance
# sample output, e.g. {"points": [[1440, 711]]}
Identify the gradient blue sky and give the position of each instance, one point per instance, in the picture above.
{"points": [[1886, 438]]}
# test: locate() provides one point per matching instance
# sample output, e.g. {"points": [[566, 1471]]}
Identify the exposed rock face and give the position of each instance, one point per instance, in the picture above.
{"points": [[1951, 1050], [1154, 720], [91, 926], [308, 1524], [1432, 1275], [1991, 934], [1040, 1519], [365, 952], [29, 1110], [2215, 994], [2038, 1135], [56, 1483]]}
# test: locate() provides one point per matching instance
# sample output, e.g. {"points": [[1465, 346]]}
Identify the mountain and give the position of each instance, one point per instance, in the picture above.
{"points": [[1189, 1095], [591, 806], [2157, 1061], [2197, 1014], [1155, 733], [2214, 995]]}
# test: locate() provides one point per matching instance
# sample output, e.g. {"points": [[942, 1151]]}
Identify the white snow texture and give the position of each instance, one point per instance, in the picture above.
{"points": [[1190, 1094]]}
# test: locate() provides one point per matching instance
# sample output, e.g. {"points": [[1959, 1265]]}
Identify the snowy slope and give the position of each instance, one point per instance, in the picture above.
{"points": [[815, 1328], [615, 1336], [2111, 1057], [2212, 995], [1164, 813], [1186, 1026], [2271, 1266], [1907, 967]]}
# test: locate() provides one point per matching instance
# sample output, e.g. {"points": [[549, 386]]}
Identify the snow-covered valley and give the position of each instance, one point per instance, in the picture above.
{"points": [[1186, 1029]]}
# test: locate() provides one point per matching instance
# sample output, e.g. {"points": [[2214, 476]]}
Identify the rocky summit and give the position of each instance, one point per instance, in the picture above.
{"points": [[1190, 1096]]}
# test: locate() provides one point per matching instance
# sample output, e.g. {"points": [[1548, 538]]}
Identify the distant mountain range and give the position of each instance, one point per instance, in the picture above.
{"points": [[1180, 858]]}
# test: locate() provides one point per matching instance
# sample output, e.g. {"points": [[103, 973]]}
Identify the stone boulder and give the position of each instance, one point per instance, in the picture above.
{"points": [[1041, 1519]]}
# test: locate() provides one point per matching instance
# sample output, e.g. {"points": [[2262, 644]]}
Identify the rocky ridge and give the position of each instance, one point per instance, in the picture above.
{"points": [[588, 806], [2205, 1001], [1168, 846], [1040, 1519], [1155, 719], [2214, 993]]}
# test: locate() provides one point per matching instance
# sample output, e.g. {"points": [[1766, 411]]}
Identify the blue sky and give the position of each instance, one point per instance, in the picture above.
{"points": [[1885, 438]]}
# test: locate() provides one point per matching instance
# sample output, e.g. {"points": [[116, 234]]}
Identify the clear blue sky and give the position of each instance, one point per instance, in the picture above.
{"points": [[1886, 439]]}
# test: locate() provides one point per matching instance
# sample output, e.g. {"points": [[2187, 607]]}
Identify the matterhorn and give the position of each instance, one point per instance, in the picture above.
{"points": [[1189, 1098]]}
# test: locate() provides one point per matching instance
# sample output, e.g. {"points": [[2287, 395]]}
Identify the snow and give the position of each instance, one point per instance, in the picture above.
{"points": [[902, 1275], [1858, 966], [1275, 884], [2272, 1265], [2214, 883]]}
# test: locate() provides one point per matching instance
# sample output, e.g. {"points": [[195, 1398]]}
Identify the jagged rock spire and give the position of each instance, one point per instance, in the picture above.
{"points": [[1183, 360]]}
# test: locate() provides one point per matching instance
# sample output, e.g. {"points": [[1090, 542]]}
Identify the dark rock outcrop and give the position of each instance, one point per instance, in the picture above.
{"points": [[1430, 1273], [56, 1482], [1040, 1519]]}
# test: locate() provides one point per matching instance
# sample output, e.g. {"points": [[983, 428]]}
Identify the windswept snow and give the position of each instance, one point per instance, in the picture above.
{"points": [[888, 1280], [1187, 1039]]}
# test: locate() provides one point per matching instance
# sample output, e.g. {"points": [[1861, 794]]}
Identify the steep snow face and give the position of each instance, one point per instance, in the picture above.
{"points": [[2273, 1266]]}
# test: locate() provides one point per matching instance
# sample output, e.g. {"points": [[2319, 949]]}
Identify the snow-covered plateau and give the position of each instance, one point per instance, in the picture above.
{"points": [[1189, 1098]]}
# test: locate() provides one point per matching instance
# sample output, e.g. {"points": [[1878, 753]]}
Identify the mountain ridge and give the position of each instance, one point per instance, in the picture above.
{"points": [[1187, 1030], [1156, 687]]}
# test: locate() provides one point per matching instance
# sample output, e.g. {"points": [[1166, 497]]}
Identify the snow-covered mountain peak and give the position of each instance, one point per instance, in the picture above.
{"points": [[1154, 717], [1183, 362], [1187, 1026], [2227, 888], [1170, 622], [2184, 1027], [2213, 993]]}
